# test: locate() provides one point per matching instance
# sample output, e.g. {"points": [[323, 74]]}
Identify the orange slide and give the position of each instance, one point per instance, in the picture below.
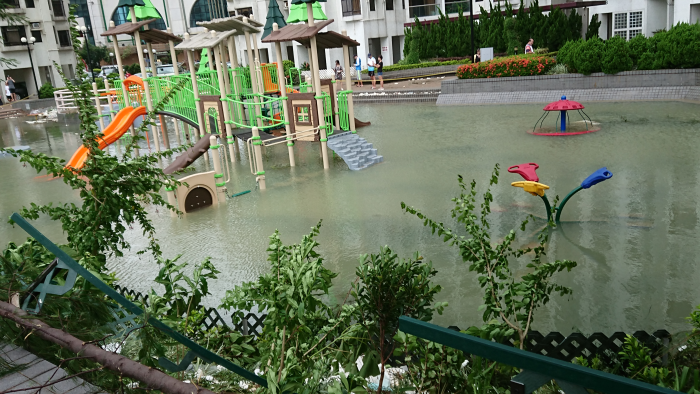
{"points": [[112, 133]]}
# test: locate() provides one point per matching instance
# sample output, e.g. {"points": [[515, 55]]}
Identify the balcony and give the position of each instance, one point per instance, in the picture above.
{"points": [[423, 10], [13, 7], [453, 6]]}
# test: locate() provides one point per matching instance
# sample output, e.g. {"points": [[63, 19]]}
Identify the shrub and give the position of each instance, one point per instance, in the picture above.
{"points": [[513, 66], [678, 47], [638, 46], [46, 91], [408, 66], [567, 53], [558, 69], [587, 57], [616, 56]]}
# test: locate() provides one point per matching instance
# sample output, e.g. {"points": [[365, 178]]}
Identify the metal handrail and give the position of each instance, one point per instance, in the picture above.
{"points": [[277, 141], [537, 369]]}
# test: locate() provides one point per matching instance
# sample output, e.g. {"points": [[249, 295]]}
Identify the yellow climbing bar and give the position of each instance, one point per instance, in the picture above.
{"points": [[534, 188]]}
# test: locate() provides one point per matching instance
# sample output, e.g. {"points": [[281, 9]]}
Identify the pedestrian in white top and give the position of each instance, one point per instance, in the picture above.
{"points": [[8, 94], [528, 47], [371, 63]]}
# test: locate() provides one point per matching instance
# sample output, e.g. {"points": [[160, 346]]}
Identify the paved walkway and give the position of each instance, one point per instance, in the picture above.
{"points": [[37, 372], [430, 83]]}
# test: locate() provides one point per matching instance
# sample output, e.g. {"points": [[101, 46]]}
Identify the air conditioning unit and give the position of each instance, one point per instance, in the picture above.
{"points": [[36, 26], [286, 5]]}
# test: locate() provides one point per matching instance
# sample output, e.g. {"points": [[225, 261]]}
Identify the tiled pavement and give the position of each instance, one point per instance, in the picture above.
{"points": [[37, 372]]}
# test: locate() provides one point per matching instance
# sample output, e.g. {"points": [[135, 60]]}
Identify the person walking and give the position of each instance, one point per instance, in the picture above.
{"points": [[380, 70], [477, 56], [371, 63], [358, 70], [528, 47], [11, 84], [338, 73]]}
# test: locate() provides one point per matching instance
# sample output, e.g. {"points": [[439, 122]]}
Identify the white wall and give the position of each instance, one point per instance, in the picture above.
{"points": [[653, 13], [686, 11]]}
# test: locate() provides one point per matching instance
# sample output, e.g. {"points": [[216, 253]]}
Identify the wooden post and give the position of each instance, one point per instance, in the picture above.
{"points": [[257, 143], [154, 70], [283, 93], [252, 62], [193, 76], [147, 90], [122, 77], [235, 86], [348, 86], [227, 116], [317, 89], [176, 70], [98, 106]]}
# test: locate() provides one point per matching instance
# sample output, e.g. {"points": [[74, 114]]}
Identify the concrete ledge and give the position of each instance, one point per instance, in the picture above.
{"points": [[416, 96], [582, 95], [418, 72], [628, 79]]}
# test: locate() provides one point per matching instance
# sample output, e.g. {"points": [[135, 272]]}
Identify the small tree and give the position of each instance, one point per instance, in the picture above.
{"points": [[559, 31], [97, 54], [575, 25], [588, 56], [593, 27], [509, 302], [388, 288], [616, 56]]}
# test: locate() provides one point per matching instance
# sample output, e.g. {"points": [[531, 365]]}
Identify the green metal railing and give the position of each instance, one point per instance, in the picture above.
{"points": [[208, 83], [327, 114], [538, 370], [246, 111], [343, 110], [182, 103], [129, 311]]}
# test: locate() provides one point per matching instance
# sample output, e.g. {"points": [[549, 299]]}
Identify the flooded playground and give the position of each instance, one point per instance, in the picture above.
{"points": [[635, 236]]}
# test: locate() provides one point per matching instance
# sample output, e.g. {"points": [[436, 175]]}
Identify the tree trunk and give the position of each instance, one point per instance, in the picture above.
{"points": [[153, 378]]}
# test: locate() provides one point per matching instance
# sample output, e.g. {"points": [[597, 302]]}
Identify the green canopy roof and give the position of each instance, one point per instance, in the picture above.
{"points": [[131, 3], [306, 1], [146, 11], [297, 13], [204, 61], [274, 15]]}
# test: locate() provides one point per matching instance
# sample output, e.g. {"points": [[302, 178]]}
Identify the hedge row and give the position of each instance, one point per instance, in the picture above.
{"points": [[397, 67], [513, 66], [675, 48]]}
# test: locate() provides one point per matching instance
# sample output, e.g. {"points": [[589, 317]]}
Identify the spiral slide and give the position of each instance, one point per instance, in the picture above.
{"points": [[112, 133]]}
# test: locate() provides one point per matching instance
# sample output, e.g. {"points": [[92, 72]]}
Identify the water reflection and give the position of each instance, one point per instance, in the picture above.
{"points": [[634, 236]]}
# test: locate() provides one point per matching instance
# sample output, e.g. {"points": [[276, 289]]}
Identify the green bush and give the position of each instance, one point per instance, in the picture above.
{"points": [[512, 66], [678, 47], [587, 59], [616, 56], [46, 91], [638, 46], [567, 53]]}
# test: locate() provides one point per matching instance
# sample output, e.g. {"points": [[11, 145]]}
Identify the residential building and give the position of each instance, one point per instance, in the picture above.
{"points": [[48, 25], [378, 25]]}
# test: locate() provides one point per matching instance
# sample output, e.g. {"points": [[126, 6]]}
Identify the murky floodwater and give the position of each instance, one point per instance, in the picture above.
{"points": [[634, 236]]}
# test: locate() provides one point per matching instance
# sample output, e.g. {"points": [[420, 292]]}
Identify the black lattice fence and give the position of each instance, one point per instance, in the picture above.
{"points": [[606, 348], [251, 324]]}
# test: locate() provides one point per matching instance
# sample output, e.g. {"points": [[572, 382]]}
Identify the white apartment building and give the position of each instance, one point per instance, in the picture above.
{"points": [[48, 27], [378, 25]]}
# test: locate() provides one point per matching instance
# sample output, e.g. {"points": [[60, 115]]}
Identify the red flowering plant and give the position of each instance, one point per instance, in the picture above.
{"points": [[512, 66]]}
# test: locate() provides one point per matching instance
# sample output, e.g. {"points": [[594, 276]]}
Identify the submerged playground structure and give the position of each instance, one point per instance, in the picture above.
{"points": [[226, 103]]}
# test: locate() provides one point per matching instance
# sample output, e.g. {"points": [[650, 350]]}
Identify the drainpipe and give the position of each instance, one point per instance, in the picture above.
{"points": [[669, 14]]}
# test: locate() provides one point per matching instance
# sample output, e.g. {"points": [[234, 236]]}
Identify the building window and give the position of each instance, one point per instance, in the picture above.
{"points": [[372, 5], [11, 3], [389, 5], [37, 35], [206, 10], [453, 6], [627, 25], [420, 8], [12, 35], [247, 12], [58, 10], [351, 7], [29, 3], [64, 38], [120, 16]]}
